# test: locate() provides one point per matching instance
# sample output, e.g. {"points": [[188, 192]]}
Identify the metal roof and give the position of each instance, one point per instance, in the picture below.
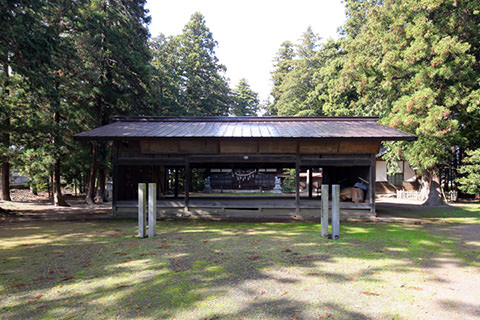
{"points": [[151, 128]]}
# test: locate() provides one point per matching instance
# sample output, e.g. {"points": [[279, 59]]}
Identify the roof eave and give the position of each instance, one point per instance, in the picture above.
{"points": [[139, 138]]}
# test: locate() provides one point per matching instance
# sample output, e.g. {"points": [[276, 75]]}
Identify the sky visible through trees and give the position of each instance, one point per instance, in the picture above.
{"points": [[249, 32]]}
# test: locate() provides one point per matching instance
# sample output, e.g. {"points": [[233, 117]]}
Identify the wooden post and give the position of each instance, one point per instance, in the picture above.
{"points": [[142, 217], [371, 185], [152, 209], [164, 189], [176, 183], [115, 177], [324, 216], [335, 211], [310, 182], [188, 178], [297, 185]]}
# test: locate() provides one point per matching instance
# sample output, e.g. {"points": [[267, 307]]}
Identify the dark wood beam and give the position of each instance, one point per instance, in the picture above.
{"points": [[176, 183], [297, 184], [188, 178], [310, 182], [115, 177], [371, 187]]}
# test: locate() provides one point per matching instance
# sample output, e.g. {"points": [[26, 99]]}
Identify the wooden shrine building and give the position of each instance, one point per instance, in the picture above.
{"points": [[244, 167]]}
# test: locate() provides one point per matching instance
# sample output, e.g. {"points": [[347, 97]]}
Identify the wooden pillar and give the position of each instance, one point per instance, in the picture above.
{"points": [[297, 185], [188, 178], [371, 186], [176, 183], [165, 182], [324, 214], [335, 211], [310, 182], [152, 209], [142, 217], [115, 151]]}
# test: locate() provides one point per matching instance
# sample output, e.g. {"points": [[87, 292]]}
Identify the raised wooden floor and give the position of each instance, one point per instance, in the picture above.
{"points": [[265, 208]]}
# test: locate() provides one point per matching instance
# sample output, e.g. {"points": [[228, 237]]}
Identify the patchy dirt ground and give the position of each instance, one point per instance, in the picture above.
{"points": [[28, 207], [457, 285]]}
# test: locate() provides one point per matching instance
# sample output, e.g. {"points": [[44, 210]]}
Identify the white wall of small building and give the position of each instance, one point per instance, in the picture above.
{"points": [[403, 166]]}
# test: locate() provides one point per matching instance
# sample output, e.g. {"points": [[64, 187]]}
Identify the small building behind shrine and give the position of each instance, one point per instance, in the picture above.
{"points": [[267, 168]]}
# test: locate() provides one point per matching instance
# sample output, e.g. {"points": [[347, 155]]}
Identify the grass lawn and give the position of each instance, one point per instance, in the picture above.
{"points": [[220, 270]]}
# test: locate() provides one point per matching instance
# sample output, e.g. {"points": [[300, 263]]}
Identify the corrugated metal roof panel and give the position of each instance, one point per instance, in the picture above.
{"points": [[245, 128]]}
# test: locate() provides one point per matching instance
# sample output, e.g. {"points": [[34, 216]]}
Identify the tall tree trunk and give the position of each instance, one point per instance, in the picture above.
{"points": [[431, 185], [58, 199], [90, 197], [102, 175], [33, 188], [5, 170], [50, 182]]}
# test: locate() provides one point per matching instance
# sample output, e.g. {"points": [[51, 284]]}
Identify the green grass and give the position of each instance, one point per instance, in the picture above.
{"points": [[455, 213], [220, 270]]}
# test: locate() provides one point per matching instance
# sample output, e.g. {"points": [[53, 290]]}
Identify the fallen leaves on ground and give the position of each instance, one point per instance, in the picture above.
{"points": [[35, 299], [17, 285]]}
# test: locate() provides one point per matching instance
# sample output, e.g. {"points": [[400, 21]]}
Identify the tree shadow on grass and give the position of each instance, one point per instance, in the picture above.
{"points": [[86, 269], [461, 308], [289, 309]]}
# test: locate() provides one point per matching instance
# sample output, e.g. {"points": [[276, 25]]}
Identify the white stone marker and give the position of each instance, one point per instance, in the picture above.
{"points": [[335, 211], [142, 216], [152, 209], [324, 214]]}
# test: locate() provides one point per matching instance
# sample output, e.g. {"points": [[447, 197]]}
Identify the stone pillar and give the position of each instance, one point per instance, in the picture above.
{"points": [[335, 211], [152, 209], [277, 187], [324, 214], [142, 216]]}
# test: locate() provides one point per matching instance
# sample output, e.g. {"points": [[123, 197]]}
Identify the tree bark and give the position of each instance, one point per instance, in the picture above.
{"points": [[58, 199], [435, 196], [101, 186], [33, 188], [5, 171], [90, 197]]}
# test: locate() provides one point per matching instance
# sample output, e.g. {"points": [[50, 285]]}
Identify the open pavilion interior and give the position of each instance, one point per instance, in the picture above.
{"points": [[266, 168]]}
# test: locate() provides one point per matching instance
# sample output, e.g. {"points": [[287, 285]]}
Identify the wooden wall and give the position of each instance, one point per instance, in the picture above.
{"points": [[231, 146]]}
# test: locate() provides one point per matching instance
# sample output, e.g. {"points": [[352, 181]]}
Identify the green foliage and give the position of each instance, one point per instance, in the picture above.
{"points": [[73, 65], [165, 86], [37, 164], [470, 171], [112, 42], [283, 64], [294, 77], [246, 101], [289, 182], [413, 65], [198, 179], [307, 76], [188, 78]]}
